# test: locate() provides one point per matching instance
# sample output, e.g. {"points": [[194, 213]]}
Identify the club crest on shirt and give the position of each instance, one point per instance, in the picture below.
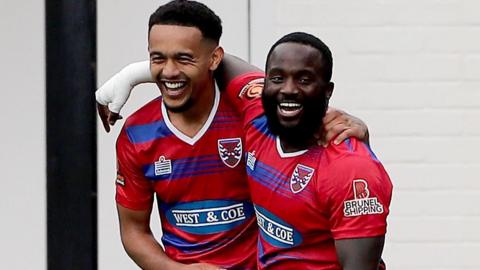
{"points": [[300, 178], [230, 151], [362, 203], [253, 89]]}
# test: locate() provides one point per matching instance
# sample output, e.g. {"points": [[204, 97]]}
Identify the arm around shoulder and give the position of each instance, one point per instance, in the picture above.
{"points": [[340, 125], [114, 93], [231, 67], [116, 90]]}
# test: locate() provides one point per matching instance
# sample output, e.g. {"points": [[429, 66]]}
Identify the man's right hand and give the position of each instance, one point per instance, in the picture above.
{"points": [[342, 125]]}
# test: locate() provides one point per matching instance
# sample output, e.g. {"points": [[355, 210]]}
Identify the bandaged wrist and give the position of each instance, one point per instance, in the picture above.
{"points": [[116, 90]]}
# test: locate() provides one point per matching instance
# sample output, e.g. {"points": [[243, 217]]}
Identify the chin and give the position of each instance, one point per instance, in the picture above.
{"points": [[179, 107], [290, 129], [288, 124], [296, 131]]}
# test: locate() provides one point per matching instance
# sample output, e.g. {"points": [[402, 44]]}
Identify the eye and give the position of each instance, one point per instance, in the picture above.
{"points": [[156, 59], [305, 80], [276, 79], [185, 59]]}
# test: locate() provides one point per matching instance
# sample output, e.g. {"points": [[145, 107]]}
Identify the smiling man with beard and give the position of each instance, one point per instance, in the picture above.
{"points": [[317, 207], [294, 98]]}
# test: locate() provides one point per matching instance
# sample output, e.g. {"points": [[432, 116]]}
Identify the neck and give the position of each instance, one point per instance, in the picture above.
{"points": [[192, 120], [290, 144]]}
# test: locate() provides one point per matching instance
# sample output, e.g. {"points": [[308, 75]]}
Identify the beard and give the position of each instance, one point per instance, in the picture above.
{"points": [[303, 133], [180, 109]]}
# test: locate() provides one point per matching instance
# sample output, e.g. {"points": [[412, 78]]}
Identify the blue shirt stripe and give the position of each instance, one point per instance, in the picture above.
{"points": [[261, 125], [187, 167], [275, 181], [148, 132]]}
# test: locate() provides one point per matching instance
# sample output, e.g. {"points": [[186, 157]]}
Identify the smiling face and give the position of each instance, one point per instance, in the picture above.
{"points": [[295, 95], [182, 62]]}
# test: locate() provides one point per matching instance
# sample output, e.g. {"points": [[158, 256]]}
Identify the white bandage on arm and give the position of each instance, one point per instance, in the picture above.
{"points": [[116, 90]]}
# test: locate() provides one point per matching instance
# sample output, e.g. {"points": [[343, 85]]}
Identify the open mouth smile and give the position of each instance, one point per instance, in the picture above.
{"points": [[174, 88], [289, 108]]}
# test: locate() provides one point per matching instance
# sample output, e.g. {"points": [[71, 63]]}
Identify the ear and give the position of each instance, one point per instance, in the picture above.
{"points": [[216, 58], [329, 90]]}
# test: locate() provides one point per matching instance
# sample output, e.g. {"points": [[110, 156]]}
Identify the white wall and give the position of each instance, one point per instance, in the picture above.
{"points": [[122, 38], [22, 136], [411, 70]]}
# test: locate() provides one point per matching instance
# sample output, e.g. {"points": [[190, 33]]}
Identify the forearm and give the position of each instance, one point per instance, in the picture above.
{"points": [[361, 253], [116, 90], [361, 266], [146, 251], [139, 242], [231, 67]]}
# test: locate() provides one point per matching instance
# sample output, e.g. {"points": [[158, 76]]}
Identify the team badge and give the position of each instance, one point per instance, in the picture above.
{"points": [[163, 166], [300, 178], [230, 151], [362, 203], [252, 90]]}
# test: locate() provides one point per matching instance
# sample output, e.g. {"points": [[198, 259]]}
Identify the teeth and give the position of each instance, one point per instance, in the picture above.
{"points": [[292, 105], [174, 85]]}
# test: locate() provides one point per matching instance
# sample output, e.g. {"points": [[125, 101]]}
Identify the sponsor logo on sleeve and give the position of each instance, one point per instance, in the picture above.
{"points": [[300, 178], [276, 231], [163, 166], [362, 204], [252, 90], [120, 179], [211, 216], [230, 151]]}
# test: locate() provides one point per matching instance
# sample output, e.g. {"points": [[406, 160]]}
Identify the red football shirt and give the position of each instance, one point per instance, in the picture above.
{"points": [[199, 183], [306, 200]]}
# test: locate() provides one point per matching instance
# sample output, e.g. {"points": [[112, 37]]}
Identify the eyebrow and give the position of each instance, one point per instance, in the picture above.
{"points": [[177, 55], [273, 70], [298, 71]]}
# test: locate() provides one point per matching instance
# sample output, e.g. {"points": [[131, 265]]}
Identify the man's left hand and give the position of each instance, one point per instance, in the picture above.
{"points": [[108, 117]]}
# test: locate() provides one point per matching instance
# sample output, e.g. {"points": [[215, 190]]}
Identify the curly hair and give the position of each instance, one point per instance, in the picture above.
{"points": [[188, 13]]}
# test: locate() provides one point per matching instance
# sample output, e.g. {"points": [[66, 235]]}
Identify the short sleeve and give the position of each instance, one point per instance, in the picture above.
{"points": [[358, 194], [132, 189], [244, 93]]}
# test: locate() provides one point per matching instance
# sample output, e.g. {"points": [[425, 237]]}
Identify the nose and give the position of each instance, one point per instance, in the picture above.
{"points": [[289, 87], [170, 70]]}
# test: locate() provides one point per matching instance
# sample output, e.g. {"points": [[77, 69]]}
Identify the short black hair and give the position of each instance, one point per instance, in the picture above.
{"points": [[313, 41], [188, 13]]}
